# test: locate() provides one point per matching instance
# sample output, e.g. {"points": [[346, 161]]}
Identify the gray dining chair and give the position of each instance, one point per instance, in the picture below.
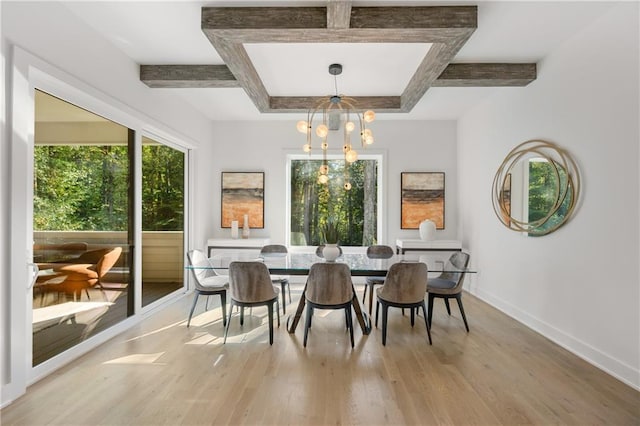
{"points": [[283, 280], [207, 283], [329, 286], [250, 285], [449, 284], [375, 252], [404, 287]]}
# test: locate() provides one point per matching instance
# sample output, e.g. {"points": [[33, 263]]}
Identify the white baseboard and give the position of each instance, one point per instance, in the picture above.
{"points": [[621, 371]]}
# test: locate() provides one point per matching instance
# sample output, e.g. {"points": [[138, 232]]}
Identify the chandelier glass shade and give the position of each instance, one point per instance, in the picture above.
{"points": [[341, 110]]}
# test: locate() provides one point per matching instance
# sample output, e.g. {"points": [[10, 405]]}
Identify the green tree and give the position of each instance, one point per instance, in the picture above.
{"points": [[313, 203], [85, 187], [543, 193], [162, 188]]}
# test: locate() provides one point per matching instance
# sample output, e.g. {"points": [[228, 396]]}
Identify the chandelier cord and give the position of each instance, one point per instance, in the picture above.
{"points": [[335, 83]]}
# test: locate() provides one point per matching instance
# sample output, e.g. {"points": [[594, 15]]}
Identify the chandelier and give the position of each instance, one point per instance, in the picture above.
{"points": [[337, 110]]}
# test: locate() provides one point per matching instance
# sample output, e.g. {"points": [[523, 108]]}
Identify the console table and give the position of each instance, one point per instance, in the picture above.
{"points": [[403, 246], [236, 244]]}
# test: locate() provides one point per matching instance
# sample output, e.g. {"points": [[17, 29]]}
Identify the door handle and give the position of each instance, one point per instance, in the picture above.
{"points": [[36, 271]]}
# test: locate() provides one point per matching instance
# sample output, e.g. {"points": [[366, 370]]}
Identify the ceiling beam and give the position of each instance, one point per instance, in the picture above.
{"points": [[446, 28], [187, 76], [301, 104], [454, 75], [418, 17], [338, 14], [261, 18], [486, 75]]}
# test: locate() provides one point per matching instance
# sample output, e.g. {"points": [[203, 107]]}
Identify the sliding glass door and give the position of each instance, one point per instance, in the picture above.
{"points": [[82, 225]]}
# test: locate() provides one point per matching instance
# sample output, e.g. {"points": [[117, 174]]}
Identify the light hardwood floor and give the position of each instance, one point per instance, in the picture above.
{"points": [[161, 373]]}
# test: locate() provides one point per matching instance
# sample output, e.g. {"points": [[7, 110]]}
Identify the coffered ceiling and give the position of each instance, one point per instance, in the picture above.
{"points": [[268, 60], [439, 30]]}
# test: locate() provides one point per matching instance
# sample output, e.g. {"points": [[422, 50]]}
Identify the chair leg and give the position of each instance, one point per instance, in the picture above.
{"points": [[193, 307], [350, 321], [223, 301], [413, 317], [431, 297], [464, 317], [278, 312], [346, 320], [226, 328], [364, 293], [446, 303], [242, 316], [377, 309], [385, 309], [307, 324], [424, 311], [283, 285], [271, 322], [371, 299], [206, 303]]}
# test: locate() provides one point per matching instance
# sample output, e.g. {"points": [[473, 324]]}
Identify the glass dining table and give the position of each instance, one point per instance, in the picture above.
{"points": [[295, 263]]}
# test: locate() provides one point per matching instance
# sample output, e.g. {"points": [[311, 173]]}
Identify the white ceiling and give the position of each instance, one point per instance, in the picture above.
{"points": [[155, 33]]}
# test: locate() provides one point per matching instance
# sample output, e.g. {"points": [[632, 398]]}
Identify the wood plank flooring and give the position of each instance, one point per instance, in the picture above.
{"points": [[161, 373]]}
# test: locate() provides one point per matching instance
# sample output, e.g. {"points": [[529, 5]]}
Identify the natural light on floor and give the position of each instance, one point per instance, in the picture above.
{"points": [[138, 359]]}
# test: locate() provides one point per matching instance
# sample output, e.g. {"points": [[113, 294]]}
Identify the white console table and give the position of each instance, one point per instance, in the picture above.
{"points": [[403, 246], [236, 244]]}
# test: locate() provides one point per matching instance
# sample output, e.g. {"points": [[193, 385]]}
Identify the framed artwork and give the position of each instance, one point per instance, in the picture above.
{"points": [[422, 196], [243, 193]]}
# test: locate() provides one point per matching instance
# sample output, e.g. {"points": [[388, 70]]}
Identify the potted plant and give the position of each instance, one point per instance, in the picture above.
{"points": [[330, 234]]}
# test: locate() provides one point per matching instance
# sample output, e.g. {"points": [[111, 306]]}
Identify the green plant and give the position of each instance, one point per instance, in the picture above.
{"points": [[330, 232]]}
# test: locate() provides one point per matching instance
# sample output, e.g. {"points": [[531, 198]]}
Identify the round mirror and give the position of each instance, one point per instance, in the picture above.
{"points": [[536, 188]]}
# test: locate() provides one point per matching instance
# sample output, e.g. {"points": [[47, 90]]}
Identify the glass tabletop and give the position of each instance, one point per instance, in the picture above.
{"points": [[359, 263]]}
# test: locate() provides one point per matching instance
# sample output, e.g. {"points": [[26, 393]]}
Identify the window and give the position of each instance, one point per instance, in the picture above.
{"points": [[312, 204]]}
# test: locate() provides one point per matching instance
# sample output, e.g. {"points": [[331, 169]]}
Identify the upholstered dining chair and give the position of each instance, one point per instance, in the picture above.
{"points": [[375, 252], [283, 280], [329, 286], [449, 284], [250, 285], [207, 283], [403, 287]]}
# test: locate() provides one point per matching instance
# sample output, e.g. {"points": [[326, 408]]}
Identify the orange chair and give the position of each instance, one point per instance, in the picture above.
{"points": [[86, 272]]}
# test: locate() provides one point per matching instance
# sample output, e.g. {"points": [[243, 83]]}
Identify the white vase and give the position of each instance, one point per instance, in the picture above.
{"points": [[427, 230], [245, 228], [234, 229], [330, 252]]}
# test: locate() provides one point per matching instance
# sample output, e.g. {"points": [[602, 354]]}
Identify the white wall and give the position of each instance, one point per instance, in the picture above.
{"points": [[580, 285], [262, 146], [53, 33]]}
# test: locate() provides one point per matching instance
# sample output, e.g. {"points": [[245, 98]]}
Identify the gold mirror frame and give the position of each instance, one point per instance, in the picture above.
{"points": [[569, 187]]}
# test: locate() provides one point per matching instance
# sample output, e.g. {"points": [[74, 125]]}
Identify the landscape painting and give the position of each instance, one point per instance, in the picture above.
{"points": [[422, 198], [243, 193]]}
